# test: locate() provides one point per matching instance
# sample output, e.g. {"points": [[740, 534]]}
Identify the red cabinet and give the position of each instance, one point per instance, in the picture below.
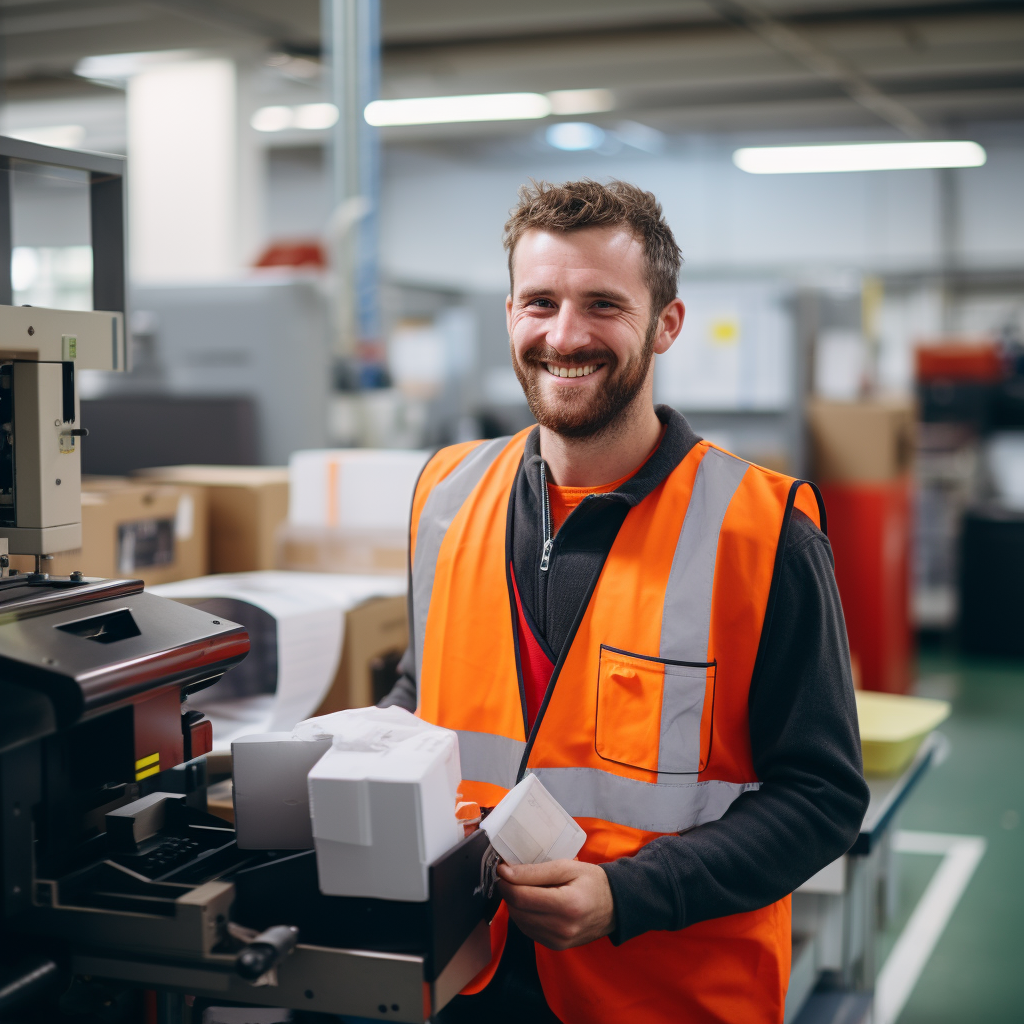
{"points": [[869, 526]]}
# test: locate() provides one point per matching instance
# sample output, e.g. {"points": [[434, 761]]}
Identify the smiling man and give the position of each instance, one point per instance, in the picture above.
{"points": [[651, 626]]}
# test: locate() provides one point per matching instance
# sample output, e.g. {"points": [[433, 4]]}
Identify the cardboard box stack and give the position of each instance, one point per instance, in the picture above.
{"points": [[246, 506], [135, 530], [861, 460]]}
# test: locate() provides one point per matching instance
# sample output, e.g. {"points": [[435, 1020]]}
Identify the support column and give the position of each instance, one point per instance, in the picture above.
{"points": [[350, 30], [183, 171], [6, 244], [949, 242]]}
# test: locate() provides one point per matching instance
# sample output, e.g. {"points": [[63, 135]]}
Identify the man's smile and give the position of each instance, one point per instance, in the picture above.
{"points": [[572, 371]]}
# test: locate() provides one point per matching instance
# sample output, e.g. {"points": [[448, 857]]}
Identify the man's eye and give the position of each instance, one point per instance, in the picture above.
{"points": [[543, 303], [603, 304]]}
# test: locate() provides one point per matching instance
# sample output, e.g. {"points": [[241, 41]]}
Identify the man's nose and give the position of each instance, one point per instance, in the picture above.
{"points": [[568, 331]]}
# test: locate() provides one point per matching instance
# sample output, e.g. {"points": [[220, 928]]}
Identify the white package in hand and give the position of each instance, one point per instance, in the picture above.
{"points": [[529, 826]]}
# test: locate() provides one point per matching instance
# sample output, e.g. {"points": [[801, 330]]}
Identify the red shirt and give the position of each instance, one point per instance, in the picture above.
{"points": [[535, 664]]}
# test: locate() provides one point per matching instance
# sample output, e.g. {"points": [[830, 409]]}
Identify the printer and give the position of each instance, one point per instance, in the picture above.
{"points": [[116, 881]]}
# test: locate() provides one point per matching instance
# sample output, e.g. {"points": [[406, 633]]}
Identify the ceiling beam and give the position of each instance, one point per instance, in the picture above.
{"points": [[823, 63], [222, 15]]}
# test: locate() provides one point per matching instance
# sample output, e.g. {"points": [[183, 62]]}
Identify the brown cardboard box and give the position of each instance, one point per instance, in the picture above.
{"points": [[860, 442], [323, 549], [375, 628], [152, 532], [246, 506]]}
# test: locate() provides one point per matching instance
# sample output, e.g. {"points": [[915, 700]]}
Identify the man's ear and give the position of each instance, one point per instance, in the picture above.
{"points": [[508, 314], [670, 324]]}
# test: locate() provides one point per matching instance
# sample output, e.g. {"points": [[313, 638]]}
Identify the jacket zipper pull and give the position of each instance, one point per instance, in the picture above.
{"points": [[545, 517], [546, 555]]}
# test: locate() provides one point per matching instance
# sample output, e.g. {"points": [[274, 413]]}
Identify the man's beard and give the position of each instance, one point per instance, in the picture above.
{"points": [[571, 413]]}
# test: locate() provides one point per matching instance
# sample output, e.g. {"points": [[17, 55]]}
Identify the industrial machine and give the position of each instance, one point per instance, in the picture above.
{"points": [[121, 895]]}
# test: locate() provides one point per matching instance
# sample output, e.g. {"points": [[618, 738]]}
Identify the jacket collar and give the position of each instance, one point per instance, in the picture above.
{"points": [[679, 438]]}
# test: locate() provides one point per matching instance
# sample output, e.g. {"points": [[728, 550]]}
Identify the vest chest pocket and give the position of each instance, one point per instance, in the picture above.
{"points": [[652, 713]]}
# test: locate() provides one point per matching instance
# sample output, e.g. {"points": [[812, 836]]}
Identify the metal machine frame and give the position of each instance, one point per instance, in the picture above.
{"points": [[107, 203], [111, 867]]}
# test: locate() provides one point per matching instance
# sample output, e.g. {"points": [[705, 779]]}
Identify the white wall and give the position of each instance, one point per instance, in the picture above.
{"points": [[442, 217]]}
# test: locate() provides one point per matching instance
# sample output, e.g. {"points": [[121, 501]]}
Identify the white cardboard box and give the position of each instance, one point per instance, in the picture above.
{"points": [[353, 488], [373, 789], [529, 826], [382, 800]]}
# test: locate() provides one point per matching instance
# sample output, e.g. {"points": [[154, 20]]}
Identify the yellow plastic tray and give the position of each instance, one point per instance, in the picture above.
{"points": [[892, 727]]}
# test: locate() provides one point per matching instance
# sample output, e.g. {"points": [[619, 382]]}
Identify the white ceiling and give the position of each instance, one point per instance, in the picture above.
{"points": [[679, 65]]}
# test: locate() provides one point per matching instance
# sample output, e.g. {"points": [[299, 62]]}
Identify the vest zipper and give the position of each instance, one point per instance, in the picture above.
{"points": [[545, 498]]}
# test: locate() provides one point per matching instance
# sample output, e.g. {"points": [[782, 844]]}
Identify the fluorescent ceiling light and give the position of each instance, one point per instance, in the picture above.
{"points": [[581, 101], [64, 136], [307, 116], [574, 135], [500, 106], [315, 115], [119, 67], [860, 156], [272, 119]]}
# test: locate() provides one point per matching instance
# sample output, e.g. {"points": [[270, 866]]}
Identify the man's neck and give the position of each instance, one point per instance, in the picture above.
{"points": [[611, 455]]}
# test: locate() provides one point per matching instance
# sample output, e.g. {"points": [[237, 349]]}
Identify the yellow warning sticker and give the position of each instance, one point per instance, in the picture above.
{"points": [[145, 762]]}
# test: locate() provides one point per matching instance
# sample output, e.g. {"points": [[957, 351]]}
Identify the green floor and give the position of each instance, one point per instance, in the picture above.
{"points": [[977, 970]]}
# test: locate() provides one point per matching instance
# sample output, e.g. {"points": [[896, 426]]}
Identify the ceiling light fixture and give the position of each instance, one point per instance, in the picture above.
{"points": [[858, 156], [499, 106], [117, 68], [313, 116], [306, 116], [581, 101], [574, 136]]}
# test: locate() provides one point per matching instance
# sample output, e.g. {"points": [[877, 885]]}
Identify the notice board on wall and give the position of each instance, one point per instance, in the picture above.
{"points": [[735, 350]]}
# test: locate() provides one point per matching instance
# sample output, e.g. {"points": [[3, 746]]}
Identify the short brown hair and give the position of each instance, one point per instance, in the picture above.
{"points": [[589, 204]]}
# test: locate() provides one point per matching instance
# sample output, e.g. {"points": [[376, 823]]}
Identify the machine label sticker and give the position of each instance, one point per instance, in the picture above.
{"points": [[144, 543]]}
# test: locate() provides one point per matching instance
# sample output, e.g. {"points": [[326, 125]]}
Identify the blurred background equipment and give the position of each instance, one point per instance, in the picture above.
{"points": [[239, 370], [862, 461]]}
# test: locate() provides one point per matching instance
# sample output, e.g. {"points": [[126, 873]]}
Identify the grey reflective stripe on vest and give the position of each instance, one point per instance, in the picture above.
{"points": [[440, 509], [488, 758], [686, 618], [686, 621], [651, 806]]}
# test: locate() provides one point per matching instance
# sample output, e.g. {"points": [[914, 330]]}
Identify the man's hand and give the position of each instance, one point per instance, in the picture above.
{"points": [[561, 904]]}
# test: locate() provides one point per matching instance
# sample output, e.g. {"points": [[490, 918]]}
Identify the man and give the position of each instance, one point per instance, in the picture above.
{"points": [[651, 626]]}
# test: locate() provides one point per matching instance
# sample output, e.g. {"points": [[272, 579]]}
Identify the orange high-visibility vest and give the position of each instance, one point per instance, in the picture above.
{"points": [[644, 731]]}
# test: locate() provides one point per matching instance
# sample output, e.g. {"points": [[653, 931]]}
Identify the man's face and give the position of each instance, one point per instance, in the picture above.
{"points": [[580, 327]]}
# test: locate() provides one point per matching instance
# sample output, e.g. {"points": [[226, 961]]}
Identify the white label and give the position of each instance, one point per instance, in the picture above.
{"points": [[184, 521]]}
